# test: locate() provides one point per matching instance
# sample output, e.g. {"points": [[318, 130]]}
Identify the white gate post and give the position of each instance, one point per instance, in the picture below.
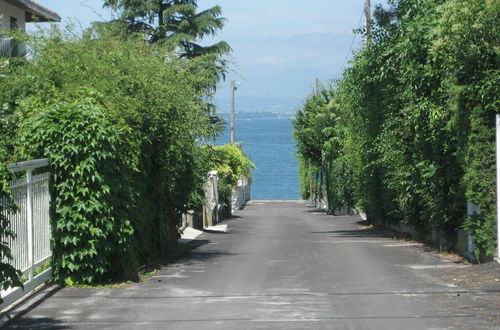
{"points": [[29, 227], [498, 184]]}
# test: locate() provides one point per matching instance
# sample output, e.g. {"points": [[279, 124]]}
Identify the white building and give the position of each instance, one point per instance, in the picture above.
{"points": [[14, 14]]}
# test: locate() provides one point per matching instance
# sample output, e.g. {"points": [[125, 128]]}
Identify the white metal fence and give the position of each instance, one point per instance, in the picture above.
{"points": [[31, 247]]}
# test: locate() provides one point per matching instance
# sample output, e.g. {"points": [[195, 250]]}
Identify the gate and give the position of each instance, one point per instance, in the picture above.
{"points": [[30, 248]]}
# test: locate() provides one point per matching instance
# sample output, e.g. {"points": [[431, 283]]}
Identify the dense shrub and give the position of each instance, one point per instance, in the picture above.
{"points": [[413, 135], [90, 225], [118, 119], [232, 164], [12, 55]]}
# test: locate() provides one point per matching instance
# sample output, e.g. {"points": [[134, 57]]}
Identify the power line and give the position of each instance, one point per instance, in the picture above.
{"points": [[352, 44], [267, 90], [272, 91]]}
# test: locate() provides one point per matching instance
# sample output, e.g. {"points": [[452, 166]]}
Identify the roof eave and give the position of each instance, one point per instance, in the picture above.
{"points": [[36, 12]]}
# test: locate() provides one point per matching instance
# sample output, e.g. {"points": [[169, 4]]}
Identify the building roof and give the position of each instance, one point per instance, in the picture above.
{"points": [[35, 12]]}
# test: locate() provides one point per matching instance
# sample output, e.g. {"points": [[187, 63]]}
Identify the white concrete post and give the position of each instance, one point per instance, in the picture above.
{"points": [[234, 86], [29, 227], [498, 184]]}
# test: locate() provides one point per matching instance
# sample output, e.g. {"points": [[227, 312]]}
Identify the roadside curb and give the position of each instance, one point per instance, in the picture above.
{"points": [[190, 234]]}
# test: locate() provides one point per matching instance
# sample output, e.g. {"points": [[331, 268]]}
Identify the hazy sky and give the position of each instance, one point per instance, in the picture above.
{"points": [[280, 45]]}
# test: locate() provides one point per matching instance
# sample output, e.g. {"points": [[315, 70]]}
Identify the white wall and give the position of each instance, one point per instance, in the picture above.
{"points": [[7, 10]]}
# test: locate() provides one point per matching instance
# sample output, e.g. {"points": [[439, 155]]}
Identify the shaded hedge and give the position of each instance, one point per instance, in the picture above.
{"points": [[410, 133], [119, 121]]}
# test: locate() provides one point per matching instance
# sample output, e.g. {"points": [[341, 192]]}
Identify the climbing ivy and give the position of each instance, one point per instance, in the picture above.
{"points": [[119, 120], [92, 234]]}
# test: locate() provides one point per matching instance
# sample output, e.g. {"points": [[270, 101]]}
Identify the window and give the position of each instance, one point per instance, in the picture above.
{"points": [[13, 23]]}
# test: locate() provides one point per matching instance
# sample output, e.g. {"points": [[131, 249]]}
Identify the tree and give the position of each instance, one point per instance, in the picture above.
{"points": [[173, 22]]}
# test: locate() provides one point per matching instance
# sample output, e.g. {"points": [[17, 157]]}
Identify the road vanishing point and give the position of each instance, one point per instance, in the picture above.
{"points": [[285, 265]]}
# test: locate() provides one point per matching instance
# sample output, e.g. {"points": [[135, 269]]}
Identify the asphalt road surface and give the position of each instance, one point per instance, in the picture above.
{"points": [[286, 265]]}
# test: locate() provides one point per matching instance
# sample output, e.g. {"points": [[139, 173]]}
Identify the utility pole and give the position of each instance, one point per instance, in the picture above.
{"points": [[368, 21], [234, 87]]}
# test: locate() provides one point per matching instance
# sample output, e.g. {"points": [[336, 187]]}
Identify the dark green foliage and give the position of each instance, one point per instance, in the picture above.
{"points": [[467, 46], [413, 137], [12, 53], [92, 234], [176, 23], [309, 123], [304, 177], [119, 119]]}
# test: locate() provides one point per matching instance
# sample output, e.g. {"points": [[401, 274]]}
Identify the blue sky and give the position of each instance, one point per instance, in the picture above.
{"points": [[278, 45]]}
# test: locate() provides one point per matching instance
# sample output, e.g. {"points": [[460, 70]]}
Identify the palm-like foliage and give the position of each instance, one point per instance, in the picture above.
{"points": [[11, 47], [173, 22], [13, 52]]}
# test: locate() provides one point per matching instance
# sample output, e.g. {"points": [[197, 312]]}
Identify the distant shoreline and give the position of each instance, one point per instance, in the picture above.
{"points": [[259, 115]]}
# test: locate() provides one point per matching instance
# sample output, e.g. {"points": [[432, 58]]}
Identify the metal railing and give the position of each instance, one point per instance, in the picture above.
{"points": [[30, 248]]}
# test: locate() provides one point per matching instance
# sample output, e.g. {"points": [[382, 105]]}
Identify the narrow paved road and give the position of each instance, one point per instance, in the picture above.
{"points": [[283, 265]]}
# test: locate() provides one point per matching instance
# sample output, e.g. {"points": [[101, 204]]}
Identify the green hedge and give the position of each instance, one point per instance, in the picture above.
{"points": [[93, 236], [119, 120], [232, 164], [411, 137]]}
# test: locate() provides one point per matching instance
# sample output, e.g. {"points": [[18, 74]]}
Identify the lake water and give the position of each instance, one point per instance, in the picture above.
{"points": [[269, 144]]}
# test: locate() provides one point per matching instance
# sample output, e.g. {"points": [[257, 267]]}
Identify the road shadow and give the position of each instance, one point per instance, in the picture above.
{"points": [[194, 244], [36, 323], [314, 210], [208, 255], [30, 304], [355, 233], [216, 232], [228, 219], [195, 254]]}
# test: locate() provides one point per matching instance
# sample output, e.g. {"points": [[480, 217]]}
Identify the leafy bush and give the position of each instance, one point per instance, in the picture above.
{"points": [[232, 164], [12, 53], [411, 134], [92, 234], [304, 177], [119, 120]]}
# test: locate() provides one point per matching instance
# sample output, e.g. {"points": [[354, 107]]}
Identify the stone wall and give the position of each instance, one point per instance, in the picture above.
{"points": [[241, 195]]}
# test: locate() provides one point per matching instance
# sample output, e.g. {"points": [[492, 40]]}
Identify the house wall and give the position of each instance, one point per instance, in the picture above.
{"points": [[8, 11]]}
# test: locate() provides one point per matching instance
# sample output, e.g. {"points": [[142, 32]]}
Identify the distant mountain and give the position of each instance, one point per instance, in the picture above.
{"points": [[274, 104], [282, 92]]}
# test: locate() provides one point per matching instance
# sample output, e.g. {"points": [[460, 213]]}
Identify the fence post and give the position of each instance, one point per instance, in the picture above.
{"points": [[29, 227]]}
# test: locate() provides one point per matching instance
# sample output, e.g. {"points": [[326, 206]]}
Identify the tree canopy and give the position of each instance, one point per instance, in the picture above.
{"points": [[173, 22], [407, 133]]}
